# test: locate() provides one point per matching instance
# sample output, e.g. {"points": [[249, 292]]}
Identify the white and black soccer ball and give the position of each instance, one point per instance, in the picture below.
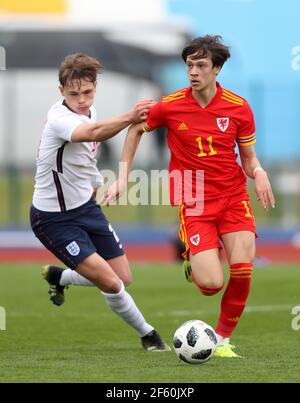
{"points": [[195, 342]]}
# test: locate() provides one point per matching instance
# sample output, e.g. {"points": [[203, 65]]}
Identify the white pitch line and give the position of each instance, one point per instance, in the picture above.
{"points": [[268, 308], [249, 309], [174, 313]]}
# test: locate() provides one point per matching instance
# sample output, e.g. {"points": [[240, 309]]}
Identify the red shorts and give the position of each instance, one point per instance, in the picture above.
{"points": [[224, 215]]}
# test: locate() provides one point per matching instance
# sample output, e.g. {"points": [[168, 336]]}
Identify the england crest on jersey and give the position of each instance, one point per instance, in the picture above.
{"points": [[223, 124], [73, 249]]}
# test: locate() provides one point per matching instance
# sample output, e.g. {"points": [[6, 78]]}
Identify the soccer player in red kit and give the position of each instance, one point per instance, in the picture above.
{"points": [[205, 122]]}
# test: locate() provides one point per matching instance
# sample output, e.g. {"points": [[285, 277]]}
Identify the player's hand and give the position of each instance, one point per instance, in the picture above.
{"points": [[263, 190], [140, 111], [113, 193]]}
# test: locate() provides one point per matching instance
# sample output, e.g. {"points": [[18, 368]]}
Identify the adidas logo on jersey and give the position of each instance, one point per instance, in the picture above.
{"points": [[182, 126]]}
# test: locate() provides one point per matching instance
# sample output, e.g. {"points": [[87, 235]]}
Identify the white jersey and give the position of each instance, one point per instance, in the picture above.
{"points": [[67, 172]]}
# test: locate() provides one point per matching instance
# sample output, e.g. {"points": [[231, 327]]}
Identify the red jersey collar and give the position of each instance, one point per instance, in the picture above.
{"points": [[216, 98]]}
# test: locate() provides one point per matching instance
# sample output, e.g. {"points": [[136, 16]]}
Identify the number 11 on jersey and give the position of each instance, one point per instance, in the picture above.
{"points": [[202, 153]]}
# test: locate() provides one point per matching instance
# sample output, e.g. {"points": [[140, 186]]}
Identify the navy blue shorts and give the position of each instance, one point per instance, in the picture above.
{"points": [[75, 234]]}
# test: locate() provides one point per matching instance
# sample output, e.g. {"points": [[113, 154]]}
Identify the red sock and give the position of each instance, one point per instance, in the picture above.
{"points": [[234, 298]]}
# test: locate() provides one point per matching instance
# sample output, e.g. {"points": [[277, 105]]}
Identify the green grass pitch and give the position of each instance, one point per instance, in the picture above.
{"points": [[83, 341]]}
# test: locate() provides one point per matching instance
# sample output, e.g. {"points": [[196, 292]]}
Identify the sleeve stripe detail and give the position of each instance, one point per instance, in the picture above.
{"points": [[246, 137], [175, 96], [226, 98], [241, 141], [172, 98], [232, 96], [146, 127], [247, 144]]}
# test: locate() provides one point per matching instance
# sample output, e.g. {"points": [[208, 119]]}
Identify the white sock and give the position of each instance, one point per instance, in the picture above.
{"points": [[71, 277], [222, 340], [123, 304]]}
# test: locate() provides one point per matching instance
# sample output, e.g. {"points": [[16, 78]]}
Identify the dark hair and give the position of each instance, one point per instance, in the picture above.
{"points": [[77, 67], [208, 45]]}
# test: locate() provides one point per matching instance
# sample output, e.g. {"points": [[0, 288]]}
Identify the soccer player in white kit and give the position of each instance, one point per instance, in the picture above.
{"points": [[64, 214]]}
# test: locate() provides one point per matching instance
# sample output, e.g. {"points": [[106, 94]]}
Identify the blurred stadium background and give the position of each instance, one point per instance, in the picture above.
{"points": [[139, 43]]}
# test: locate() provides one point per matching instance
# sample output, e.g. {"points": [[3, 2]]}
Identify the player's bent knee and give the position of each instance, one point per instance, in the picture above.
{"points": [[125, 276], [109, 285], [127, 280], [208, 292], [209, 288]]}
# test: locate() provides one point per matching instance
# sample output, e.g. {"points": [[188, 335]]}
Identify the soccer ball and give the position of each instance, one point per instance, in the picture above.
{"points": [[195, 342]]}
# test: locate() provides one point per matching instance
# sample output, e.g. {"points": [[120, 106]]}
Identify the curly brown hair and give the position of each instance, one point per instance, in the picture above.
{"points": [[77, 67], [208, 45]]}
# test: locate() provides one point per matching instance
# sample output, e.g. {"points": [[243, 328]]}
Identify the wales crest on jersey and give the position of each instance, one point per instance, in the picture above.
{"points": [[223, 124]]}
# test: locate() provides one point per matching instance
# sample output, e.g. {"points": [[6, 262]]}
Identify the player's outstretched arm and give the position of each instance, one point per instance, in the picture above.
{"points": [[253, 169], [105, 129], [130, 146]]}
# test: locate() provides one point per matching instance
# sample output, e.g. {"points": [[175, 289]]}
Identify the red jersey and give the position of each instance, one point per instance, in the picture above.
{"points": [[204, 139]]}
